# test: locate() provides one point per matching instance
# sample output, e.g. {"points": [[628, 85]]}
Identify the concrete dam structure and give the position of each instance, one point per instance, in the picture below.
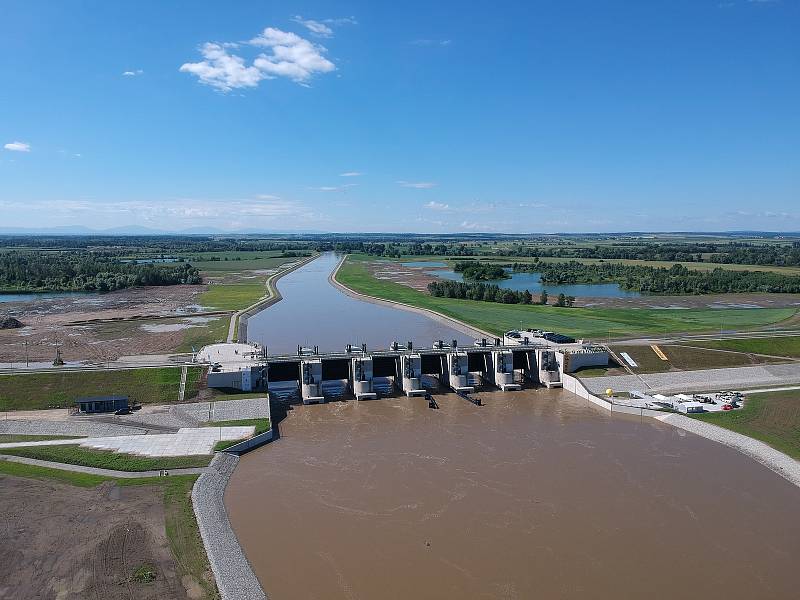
{"points": [[248, 367]]}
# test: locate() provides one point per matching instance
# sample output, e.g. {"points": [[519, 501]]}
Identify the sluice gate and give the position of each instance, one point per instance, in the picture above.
{"points": [[371, 373]]}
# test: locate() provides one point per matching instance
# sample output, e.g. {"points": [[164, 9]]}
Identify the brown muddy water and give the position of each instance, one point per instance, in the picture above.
{"points": [[534, 495]]}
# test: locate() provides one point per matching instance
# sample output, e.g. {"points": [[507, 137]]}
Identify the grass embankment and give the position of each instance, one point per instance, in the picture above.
{"points": [[597, 323], [686, 358], [772, 417], [773, 346], [180, 524], [7, 438], [261, 425], [106, 459], [30, 391]]}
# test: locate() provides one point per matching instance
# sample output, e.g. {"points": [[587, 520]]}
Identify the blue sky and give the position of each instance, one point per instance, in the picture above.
{"points": [[534, 116]]}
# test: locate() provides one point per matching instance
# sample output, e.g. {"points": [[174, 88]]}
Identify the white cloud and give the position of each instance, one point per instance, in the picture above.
{"points": [[420, 185], [133, 73], [437, 206], [351, 174], [291, 56], [428, 42], [468, 225], [315, 27], [267, 197], [222, 70], [18, 147], [285, 54], [334, 188]]}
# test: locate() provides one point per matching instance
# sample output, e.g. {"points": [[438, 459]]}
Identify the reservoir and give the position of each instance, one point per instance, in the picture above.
{"points": [[313, 312], [536, 494], [533, 495], [520, 281]]}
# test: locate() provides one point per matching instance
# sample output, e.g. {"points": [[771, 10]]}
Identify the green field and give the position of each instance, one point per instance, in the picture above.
{"points": [[104, 459], [232, 296], [774, 346], [598, 323], [773, 418], [241, 261], [29, 391], [698, 266]]}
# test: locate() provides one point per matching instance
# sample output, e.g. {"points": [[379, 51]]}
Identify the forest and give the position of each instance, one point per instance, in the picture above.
{"points": [[676, 280], [79, 271]]}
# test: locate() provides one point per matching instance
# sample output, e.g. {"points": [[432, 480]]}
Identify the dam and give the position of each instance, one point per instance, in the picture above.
{"points": [[537, 493]]}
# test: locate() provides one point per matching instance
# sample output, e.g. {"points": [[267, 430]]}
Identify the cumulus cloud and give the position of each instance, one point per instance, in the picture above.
{"points": [[285, 54], [440, 206], [290, 56], [351, 174], [134, 73], [18, 147], [420, 185], [222, 70]]}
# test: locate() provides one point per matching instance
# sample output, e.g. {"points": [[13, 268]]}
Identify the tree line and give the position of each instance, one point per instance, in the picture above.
{"points": [[676, 280], [79, 271], [490, 292]]}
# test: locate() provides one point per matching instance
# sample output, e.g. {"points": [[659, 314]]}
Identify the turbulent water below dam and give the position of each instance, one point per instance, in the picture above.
{"points": [[536, 494], [533, 495]]}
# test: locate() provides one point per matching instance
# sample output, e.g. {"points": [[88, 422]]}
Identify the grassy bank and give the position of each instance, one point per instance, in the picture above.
{"points": [[7, 438], [29, 391], [180, 524], [104, 459], [772, 417], [582, 322], [261, 425], [774, 346]]}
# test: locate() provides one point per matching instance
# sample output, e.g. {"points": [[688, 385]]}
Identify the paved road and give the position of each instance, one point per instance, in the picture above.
{"points": [[96, 471]]}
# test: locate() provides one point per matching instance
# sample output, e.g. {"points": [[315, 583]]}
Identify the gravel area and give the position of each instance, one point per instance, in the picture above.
{"points": [[227, 410], [234, 576], [783, 465], [699, 381], [72, 427]]}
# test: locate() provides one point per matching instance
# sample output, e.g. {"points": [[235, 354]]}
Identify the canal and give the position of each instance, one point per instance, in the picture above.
{"points": [[314, 313], [534, 494]]}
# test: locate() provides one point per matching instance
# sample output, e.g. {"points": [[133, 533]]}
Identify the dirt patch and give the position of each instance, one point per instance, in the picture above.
{"points": [[67, 542], [100, 327]]}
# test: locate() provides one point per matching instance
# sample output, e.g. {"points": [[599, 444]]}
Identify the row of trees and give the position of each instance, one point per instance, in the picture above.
{"points": [[75, 271], [677, 280], [489, 292]]}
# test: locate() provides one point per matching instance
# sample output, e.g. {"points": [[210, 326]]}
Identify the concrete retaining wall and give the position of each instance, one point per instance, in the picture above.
{"points": [[253, 442], [234, 576]]}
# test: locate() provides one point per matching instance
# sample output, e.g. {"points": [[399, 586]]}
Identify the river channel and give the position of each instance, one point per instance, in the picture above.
{"points": [[314, 313], [536, 494]]}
